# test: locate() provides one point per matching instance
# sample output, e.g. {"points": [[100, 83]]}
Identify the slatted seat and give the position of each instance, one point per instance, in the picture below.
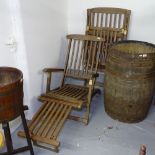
{"points": [[76, 94], [58, 103], [110, 23]]}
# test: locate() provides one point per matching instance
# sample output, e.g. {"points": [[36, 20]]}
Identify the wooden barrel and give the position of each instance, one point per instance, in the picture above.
{"points": [[11, 93], [129, 80]]}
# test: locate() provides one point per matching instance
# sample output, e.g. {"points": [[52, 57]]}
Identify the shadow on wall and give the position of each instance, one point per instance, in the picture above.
{"points": [[62, 53], [56, 77]]}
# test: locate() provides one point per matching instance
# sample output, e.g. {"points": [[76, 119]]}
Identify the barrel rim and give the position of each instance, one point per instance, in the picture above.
{"points": [[133, 41], [13, 69]]}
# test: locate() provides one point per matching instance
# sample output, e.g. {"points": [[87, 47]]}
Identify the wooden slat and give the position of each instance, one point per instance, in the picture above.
{"points": [[61, 123], [101, 23], [72, 93], [85, 53], [110, 20], [111, 37], [40, 139], [64, 91], [46, 120], [76, 56], [109, 10], [43, 119], [77, 93], [67, 92], [54, 114], [73, 102], [99, 51], [97, 20], [115, 20], [93, 56], [93, 19], [58, 116], [38, 118], [72, 54], [81, 56], [124, 21], [89, 53], [119, 20], [46, 140]]}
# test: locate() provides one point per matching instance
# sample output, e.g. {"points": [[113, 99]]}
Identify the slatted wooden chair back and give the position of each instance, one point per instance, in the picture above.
{"points": [[81, 47], [109, 23], [105, 17]]}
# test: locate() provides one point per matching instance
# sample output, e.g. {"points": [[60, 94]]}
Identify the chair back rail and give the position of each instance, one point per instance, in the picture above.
{"points": [[83, 56], [108, 17]]}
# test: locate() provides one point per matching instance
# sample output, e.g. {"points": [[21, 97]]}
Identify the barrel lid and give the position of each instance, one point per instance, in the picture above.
{"points": [[133, 46], [135, 42]]}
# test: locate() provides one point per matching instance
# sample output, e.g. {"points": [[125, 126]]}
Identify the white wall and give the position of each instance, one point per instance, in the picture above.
{"points": [[39, 28], [11, 32], [44, 27], [142, 19], [6, 56]]}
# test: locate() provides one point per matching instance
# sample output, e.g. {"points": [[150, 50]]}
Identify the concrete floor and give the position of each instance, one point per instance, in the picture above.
{"points": [[103, 135]]}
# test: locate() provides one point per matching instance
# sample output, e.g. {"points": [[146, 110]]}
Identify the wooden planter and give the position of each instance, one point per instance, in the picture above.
{"points": [[11, 93], [129, 80]]}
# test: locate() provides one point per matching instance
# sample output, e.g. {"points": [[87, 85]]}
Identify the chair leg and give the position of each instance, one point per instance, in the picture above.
{"points": [[27, 133], [142, 150], [87, 115], [8, 138]]}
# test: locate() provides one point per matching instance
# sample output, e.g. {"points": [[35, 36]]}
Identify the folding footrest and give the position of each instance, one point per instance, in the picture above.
{"points": [[47, 123]]}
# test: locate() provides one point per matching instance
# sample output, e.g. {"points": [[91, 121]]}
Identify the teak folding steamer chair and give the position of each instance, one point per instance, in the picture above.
{"points": [[58, 103], [110, 23]]}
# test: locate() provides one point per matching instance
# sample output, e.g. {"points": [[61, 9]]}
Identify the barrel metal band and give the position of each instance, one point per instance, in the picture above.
{"points": [[132, 77]]}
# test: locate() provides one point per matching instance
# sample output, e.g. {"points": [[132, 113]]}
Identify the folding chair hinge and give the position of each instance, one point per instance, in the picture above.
{"points": [[124, 31], [90, 82]]}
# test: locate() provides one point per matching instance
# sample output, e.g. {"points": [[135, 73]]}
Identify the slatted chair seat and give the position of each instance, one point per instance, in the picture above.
{"points": [[77, 95], [58, 103]]}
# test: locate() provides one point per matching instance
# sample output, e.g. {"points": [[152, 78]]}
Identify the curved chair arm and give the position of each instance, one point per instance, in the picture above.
{"points": [[49, 72]]}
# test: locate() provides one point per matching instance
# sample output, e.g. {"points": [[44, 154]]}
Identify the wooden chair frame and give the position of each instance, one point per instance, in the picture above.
{"points": [[57, 103], [79, 69], [110, 23]]}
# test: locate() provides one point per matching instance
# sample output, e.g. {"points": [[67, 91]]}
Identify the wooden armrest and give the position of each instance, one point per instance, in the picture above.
{"points": [[53, 70], [49, 75]]}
